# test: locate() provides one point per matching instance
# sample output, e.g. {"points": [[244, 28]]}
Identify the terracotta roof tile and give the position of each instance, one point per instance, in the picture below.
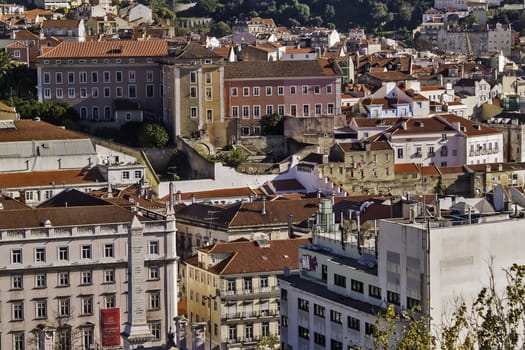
{"points": [[68, 23], [215, 194], [45, 178], [391, 76], [249, 257], [28, 130], [117, 48], [264, 69], [65, 216], [25, 35], [410, 168], [469, 127]]}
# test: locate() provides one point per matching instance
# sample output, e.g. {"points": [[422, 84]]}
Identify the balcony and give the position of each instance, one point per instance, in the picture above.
{"points": [[249, 314], [253, 293]]}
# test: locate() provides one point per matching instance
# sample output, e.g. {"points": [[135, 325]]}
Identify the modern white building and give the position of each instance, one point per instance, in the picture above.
{"points": [[341, 288]]}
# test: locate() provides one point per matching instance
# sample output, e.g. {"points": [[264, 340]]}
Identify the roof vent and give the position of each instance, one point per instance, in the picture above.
{"points": [[47, 223], [476, 126], [420, 124], [36, 119], [263, 243]]}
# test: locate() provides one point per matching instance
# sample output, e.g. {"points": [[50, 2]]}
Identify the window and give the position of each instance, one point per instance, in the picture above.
{"points": [[47, 78], [149, 90], [40, 254], [317, 89], [193, 92], [118, 77], [18, 341], [58, 77], [87, 338], [280, 90], [231, 285], [256, 91], [119, 92], [83, 113], [87, 305], [353, 323], [41, 309], [235, 111], [330, 108], [339, 280], [155, 328], [305, 89], [128, 117], [400, 153], [82, 77], [374, 292], [328, 89], [284, 321], [108, 250], [234, 91], [17, 281], [94, 92], [293, 110], [292, 90], [85, 251], [232, 333], [319, 339], [63, 279], [324, 272], [247, 284], [107, 92], [16, 256], [18, 311], [357, 286], [412, 303], [153, 247], [154, 273], [70, 77], [125, 175], [106, 77], [256, 112], [304, 332], [64, 338], [40, 280], [154, 300], [207, 77], [303, 304], [138, 174], [109, 276], [94, 77], [209, 115], [110, 301], [265, 329], [83, 93], [149, 76], [209, 96], [369, 328], [193, 77], [268, 91], [263, 281], [132, 91], [336, 316], [280, 110], [245, 112], [306, 110], [269, 109], [86, 277], [248, 331], [64, 307], [319, 311], [246, 91], [318, 109], [47, 93], [193, 112], [335, 345], [393, 298]]}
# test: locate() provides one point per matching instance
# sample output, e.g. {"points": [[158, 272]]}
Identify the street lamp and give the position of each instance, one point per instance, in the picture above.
{"points": [[209, 298]]}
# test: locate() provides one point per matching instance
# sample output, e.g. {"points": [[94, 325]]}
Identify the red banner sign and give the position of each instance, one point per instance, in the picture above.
{"points": [[110, 326]]}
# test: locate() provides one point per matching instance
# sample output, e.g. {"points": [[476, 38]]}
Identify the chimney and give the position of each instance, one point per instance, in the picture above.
{"points": [[172, 196], [290, 228], [456, 126], [179, 197], [193, 198], [404, 124]]}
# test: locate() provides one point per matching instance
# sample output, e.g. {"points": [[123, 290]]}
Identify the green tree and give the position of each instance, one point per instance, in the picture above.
{"points": [[152, 135], [220, 29], [272, 124], [268, 343]]}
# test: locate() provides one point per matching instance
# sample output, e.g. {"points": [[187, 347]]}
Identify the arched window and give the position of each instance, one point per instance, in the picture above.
{"points": [[95, 113], [83, 113], [107, 113]]}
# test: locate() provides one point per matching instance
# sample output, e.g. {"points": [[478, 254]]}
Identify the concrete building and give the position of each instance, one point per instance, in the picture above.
{"points": [[476, 40], [69, 30], [233, 287], [342, 286], [90, 76], [65, 277], [289, 88], [513, 128]]}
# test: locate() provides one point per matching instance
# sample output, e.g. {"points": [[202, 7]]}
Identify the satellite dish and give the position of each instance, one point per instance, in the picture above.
{"points": [[517, 197], [499, 198]]}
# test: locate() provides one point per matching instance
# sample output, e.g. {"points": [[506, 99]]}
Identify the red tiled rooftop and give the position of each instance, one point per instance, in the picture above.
{"points": [[117, 48], [406, 168], [46, 178], [29, 130]]}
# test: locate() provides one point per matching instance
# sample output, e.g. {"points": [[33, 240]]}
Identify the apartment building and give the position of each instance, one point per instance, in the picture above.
{"points": [[66, 269], [309, 88], [90, 76], [476, 40], [194, 94], [233, 287], [341, 287]]}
